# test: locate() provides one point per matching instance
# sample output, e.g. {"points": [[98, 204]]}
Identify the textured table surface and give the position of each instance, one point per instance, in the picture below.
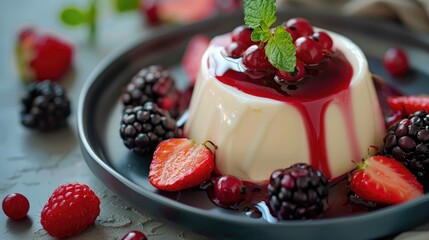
{"points": [[33, 163]]}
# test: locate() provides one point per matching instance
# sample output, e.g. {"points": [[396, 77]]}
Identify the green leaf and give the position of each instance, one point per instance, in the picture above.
{"points": [[261, 33], [258, 11], [126, 5], [73, 16], [280, 50]]}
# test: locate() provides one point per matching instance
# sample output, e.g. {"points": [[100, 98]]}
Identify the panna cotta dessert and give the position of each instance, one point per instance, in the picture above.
{"points": [[277, 116], [325, 113]]}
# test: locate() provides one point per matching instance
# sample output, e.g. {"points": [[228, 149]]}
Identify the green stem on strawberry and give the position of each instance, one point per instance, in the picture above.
{"points": [[212, 144]]}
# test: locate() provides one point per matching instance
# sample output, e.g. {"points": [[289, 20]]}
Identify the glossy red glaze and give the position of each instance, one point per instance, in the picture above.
{"points": [[311, 96]]}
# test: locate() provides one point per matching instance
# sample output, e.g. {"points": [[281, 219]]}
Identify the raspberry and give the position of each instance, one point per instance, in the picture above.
{"points": [[70, 210], [408, 142], [144, 127], [297, 192], [152, 84], [15, 206], [45, 106]]}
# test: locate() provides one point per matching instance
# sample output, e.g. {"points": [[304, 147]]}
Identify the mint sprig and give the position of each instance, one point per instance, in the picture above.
{"points": [[76, 16], [280, 50]]}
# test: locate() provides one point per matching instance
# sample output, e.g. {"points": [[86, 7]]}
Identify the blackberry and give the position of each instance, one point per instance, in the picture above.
{"points": [[45, 106], [144, 127], [297, 192], [408, 142], [152, 84]]}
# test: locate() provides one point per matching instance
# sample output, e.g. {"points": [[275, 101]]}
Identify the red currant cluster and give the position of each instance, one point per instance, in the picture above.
{"points": [[311, 48]]}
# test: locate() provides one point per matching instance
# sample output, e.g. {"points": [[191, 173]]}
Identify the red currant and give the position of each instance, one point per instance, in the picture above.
{"points": [[229, 189], [235, 50], [254, 58], [324, 40], [294, 76], [301, 26], [134, 235], [293, 34], [308, 51], [396, 62], [243, 36], [15, 206]]}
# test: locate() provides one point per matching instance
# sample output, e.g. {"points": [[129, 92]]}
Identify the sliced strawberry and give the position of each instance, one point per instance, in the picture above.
{"points": [[191, 60], [179, 163], [408, 104], [385, 180], [42, 56]]}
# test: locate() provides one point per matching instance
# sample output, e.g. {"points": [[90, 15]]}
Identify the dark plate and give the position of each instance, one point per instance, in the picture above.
{"points": [[99, 113]]}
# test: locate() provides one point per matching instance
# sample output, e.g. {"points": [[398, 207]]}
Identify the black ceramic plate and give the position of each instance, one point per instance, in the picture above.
{"points": [[99, 113]]}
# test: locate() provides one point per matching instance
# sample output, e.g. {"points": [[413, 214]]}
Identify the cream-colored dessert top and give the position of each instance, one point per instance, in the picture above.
{"points": [[257, 135]]}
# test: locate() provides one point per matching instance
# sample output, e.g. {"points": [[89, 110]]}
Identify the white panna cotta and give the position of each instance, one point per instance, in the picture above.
{"points": [[327, 120]]}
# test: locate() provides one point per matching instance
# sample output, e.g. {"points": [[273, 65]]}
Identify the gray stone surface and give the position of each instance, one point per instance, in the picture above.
{"points": [[33, 163]]}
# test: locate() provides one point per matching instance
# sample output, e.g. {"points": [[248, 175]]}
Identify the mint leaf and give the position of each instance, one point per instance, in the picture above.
{"points": [[261, 33], [73, 16], [259, 11], [280, 50], [126, 5]]}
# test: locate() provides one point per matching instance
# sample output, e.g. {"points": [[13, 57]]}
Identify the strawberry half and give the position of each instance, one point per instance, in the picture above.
{"points": [[42, 56], [384, 180], [179, 163], [191, 60], [408, 104]]}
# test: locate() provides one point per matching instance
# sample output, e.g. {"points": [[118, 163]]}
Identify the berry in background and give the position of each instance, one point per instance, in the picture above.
{"points": [[396, 62], [46, 106], [42, 55]]}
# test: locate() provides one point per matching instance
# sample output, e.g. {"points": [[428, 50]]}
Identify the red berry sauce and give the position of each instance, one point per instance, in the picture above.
{"points": [[322, 84], [253, 203]]}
